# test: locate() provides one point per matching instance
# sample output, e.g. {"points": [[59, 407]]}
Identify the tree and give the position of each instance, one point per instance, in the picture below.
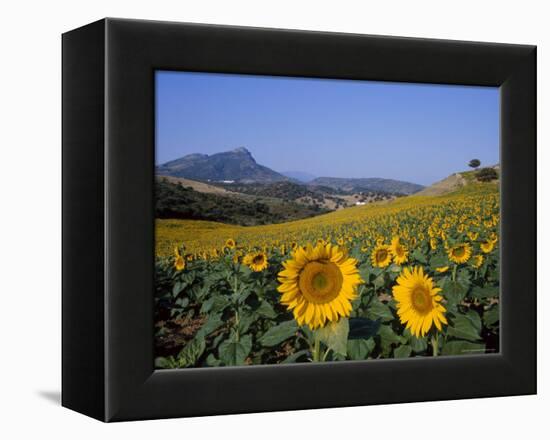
{"points": [[474, 163], [487, 174]]}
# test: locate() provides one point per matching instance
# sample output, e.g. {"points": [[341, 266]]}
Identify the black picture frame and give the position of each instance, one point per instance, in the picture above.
{"points": [[108, 226]]}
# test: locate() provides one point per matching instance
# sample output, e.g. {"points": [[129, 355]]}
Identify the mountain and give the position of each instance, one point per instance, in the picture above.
{"points": [[367, 184], [236, 165], [299, 176]]}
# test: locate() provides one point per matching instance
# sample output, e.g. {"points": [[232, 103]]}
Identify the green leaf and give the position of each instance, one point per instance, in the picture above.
{"points": [[359, 349], [245, 321], [417, 345], [190, 354], [454, 292], [466, 326], [211, 361], [295, 356], [419, 256], [162, 362], [438, 260], [379, 281], [220, 303], [389, 337], [213, 322], [279, 333], [402, 351], [207, 305], [463, 278], [235, 352], [363, 328], [484, 292], [376, 271], [462, 347], [177, 288], [364, 272], [378, 310], [492, 316], [266, 310], [335, 335]]}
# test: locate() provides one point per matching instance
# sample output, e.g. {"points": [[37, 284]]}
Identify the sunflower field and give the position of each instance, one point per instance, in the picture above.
{"points": [[418, 276]]}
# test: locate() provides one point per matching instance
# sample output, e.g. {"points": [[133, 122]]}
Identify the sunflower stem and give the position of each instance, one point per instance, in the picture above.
{"points": [[237, 319], [435, 346], [454, 273], [317, 349]]}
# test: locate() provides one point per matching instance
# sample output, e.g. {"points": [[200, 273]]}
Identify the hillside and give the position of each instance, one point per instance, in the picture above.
{"points": [[176, 201], [309, 195], [198, 186], [454, 182], [235, 165], [374, 184], [449, 184]]}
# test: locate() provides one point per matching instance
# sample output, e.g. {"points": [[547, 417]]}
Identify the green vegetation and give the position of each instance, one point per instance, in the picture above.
{"points": [[179, 202], [486, 174]]}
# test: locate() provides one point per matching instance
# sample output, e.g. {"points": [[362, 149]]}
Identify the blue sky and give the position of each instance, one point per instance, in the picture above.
{"points": [[336, 128]]}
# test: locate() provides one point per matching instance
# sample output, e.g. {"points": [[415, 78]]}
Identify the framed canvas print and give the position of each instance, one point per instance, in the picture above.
{"points": [[261, 219]]}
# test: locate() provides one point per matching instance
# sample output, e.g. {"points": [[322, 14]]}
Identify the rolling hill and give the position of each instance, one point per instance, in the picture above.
{"points": [[373, 184], [178, 198], [454, 182]]}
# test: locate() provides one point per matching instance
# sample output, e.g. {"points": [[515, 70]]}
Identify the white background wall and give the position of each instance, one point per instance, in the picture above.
{"points": [[30, 292]]}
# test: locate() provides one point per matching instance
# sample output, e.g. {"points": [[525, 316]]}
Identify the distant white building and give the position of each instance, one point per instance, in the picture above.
{"points": [[360, 203]]}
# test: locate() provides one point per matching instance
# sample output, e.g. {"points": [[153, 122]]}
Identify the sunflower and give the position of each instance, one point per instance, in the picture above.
{"points": [[460, 253], [473, 235], [318, 284], [179, 262], [256, 261], [442, 269], [433, 244], [399, 252], [230, 243], [237, 257], [418, 302], [487, 246], [477, 261], [381, 256]]}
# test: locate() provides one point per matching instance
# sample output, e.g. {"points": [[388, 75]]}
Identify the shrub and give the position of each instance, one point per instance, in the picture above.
{"points": [[486, 174]]}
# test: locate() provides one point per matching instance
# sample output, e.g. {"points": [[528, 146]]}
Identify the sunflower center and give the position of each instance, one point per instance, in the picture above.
{"points": [[320, 282], [421, 299], [459, 252], [258, 259], [382, 254], [399, 250]]}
